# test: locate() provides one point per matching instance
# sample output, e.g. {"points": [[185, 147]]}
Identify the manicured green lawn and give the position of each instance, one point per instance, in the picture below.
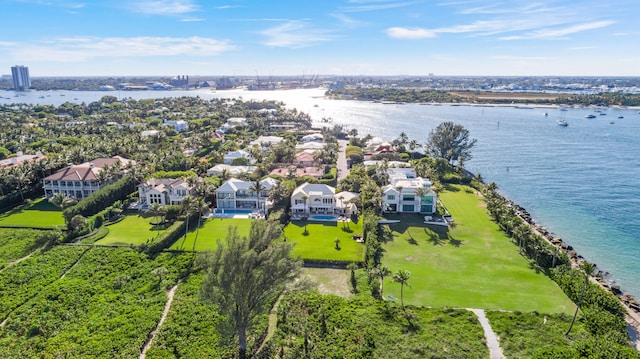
{"points": [[212, 229], [134, 229], [319, 243], [472, 265], [40, 214]]}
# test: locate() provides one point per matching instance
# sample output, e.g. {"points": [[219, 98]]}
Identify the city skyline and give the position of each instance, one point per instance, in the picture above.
{"points": [[335, 37]]}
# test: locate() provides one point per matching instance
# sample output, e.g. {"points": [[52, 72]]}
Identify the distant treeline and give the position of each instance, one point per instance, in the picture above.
{"points": [[436, 96]]}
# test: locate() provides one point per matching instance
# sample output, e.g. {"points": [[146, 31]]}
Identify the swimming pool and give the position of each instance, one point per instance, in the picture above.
{"points": [[234, 211], [322, 217]]}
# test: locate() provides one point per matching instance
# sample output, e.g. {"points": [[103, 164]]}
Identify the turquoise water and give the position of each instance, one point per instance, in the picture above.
{"points": [[322, 217], [580, 181]]}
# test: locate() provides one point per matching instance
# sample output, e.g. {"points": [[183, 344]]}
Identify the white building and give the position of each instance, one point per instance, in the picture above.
{"points": [[238, 194], [410, 195], [230, 156], [164, 191], [310, 198], [314, 137], [179, 125], [233, 171], [79, 181]]}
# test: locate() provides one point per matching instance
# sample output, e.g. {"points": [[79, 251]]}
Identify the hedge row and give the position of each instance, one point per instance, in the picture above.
{"points": [[170, 235], [100, 199]]}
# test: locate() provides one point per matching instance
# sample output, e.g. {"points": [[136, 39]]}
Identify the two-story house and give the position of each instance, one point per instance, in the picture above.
{"points": [[310, 198], [409, 195], [79, 181], [238, 194], [164, 191]]}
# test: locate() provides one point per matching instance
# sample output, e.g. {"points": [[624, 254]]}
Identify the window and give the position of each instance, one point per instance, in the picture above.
{"points": [[391, 197], [327, 201], [407, 208], [427, 198], [408, 197], [299, 201], [426, 208]]}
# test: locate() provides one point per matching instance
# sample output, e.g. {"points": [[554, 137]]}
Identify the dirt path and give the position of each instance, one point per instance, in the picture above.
{"points": [[10, 264], [74, 264], [495, 352], [153, 333]]}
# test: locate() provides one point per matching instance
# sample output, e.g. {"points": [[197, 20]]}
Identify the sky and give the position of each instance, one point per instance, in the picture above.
{"points": [[325, 37]]}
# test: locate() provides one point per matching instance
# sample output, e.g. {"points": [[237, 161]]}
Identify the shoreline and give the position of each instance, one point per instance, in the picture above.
{"points": [[628, 302]]}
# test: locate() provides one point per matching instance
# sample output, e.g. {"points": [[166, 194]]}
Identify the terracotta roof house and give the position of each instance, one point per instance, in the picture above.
{"points": [[304, 159], [79, 181], [315, 172], [19, 159]]}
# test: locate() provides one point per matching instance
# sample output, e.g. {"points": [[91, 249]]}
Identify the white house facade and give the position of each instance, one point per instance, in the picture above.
{"points": [[238, 194], [411, 195], [179, 125], [164, 191], [230, 156], [310, 198]]}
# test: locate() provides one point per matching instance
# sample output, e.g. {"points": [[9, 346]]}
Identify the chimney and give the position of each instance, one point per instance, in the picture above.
{"points": [[90, 164]]}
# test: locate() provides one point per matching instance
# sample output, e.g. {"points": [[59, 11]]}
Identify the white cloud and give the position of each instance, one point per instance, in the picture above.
{"points": [[294, 34], [193, 19], [77, 49], [164, 7], [409, 33]]}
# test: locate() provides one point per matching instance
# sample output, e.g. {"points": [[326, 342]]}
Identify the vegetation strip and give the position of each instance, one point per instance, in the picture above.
{"points": [[167, 307]]}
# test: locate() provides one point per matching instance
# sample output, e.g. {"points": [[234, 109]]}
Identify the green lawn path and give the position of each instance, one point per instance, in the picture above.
{"points": [[472, 265], [40, 214], [212, 229], [319, 243]]}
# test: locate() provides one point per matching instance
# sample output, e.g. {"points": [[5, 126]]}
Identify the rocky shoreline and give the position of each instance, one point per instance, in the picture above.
{"points": [[630, 303]]}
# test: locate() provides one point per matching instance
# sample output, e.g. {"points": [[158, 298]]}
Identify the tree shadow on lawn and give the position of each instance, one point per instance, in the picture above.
{"points": [[449, 187]]}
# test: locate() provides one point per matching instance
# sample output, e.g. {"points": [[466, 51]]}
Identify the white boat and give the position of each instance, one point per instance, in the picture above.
{"points": [[590, 115], [563, 123]]}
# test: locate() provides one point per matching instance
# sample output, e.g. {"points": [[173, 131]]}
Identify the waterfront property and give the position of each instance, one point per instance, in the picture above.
{"points": [[317, 240], [319, 199], [79, 181], [471, 265], [164, 191], [239, 194], [211, 229], [39, 213], [408, 194]]}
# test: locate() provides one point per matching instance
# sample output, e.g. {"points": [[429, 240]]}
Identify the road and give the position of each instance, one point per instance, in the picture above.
{"points": [[341, 165]]}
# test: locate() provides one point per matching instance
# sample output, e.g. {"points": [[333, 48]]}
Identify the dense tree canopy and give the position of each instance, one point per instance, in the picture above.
{"points": [[245, 276], [450, 141]]}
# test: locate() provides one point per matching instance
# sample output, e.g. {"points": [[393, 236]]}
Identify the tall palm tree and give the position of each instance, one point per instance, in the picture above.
{"points": [[381, 272], [156, 208], [187, 206], [62, 201], [402, 276], [257, 188], [586, 269], [201, 206]]}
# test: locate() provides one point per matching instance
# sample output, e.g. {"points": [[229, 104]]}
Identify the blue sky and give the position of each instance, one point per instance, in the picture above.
{"points": [[341, 37]]}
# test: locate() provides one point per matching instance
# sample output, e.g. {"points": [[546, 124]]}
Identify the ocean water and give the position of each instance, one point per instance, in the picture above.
{"points": [[581, 181]]}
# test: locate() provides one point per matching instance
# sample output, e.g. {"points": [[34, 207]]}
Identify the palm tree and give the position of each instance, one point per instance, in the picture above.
{"points": [[200, 206], [187, 207], [256, 187], [402, 276], [586, 269], [156, 208], [62, 201], [21, 176], [381, 272], [413, 145]]}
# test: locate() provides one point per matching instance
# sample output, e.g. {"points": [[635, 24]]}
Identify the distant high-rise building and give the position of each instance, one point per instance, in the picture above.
{"points": [[21, 80]]}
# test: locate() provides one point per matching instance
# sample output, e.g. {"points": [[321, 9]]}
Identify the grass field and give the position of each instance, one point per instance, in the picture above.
{"points": [[319, 243], [212, 229], [134, 229], [39, 214], [471, 265]]}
